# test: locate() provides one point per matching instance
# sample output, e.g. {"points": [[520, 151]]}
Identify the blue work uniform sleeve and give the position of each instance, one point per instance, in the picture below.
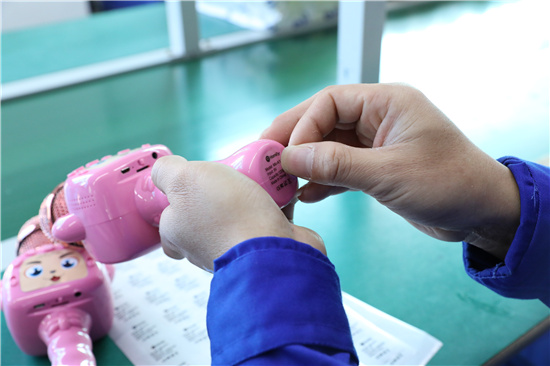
{"points": [[276, 301], [525, 272]]}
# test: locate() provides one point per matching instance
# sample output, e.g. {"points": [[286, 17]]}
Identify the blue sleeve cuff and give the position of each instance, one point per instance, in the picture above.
{"points": [[525, 272], [273, 292]]}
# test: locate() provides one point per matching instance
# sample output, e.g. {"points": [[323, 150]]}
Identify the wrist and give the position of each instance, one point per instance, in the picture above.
{"points": [[501, 216]]}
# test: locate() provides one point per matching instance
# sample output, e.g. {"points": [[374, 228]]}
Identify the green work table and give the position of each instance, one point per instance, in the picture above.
{"points": [[204, 109]]}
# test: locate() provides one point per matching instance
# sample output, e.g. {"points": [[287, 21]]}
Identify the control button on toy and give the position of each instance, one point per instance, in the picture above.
{"points": [[77, 171], [93, 162]]}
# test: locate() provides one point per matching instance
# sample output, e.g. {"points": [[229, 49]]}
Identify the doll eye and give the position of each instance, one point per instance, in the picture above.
{"points": [[34, 271], [69, 262]]}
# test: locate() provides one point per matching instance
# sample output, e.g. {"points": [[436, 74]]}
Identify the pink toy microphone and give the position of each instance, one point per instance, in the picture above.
{"points": [[114, 207], [56, 299]]}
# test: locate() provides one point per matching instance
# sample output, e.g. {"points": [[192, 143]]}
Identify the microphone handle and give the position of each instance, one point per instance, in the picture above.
{"points": [[66, 333]]}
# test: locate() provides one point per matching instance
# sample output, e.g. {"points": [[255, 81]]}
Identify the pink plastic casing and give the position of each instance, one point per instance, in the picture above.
{"points": [[114, 207], [67, 335], [261, 161], [24, 311]]}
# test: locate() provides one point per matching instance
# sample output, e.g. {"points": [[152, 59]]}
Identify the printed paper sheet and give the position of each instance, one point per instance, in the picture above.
{"points": [[160, 319]]}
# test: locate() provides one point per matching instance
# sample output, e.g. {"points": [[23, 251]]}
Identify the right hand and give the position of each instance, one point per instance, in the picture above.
{"points": [[392, 143]]}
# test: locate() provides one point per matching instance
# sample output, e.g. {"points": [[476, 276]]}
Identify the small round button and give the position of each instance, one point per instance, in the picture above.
{"points": [[76, 171]]}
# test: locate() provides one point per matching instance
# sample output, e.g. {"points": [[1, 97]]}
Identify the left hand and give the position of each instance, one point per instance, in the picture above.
{"points": [[213, 207]]}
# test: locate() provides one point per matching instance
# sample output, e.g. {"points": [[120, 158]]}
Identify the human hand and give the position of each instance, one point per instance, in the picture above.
{"points": [[213, 207], [392, 143]]}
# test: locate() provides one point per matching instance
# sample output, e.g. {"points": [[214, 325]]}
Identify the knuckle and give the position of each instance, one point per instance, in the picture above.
{"points": [[411, 92], [329, 89], [333, 166]]}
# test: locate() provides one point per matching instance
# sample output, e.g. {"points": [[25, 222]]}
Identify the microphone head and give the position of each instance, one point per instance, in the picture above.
{"points": [[31, 236]]}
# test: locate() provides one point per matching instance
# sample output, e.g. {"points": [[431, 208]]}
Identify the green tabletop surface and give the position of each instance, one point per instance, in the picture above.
{"points": [[484, 65]]}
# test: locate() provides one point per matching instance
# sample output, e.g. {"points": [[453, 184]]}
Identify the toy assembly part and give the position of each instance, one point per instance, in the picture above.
{"points": [[66, 332], [113, 205]]}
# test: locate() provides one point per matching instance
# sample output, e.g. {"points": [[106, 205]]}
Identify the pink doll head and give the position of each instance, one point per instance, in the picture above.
{"points": [[52, 280], [50, 268]]}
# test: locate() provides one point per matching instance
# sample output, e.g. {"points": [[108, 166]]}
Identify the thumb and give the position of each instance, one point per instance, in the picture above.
{"points": [[334, 164], [168, 173]]}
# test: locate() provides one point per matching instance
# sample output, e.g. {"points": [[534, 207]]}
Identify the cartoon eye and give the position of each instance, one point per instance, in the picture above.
{"points": [[34, 271], [69, 262]]}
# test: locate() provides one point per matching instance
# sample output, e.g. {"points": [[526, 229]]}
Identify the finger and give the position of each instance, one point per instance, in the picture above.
{"points": [[348, 137], [288, 210], [362, 107], [308, 236], [313, 192], [171, 253], [317, 122], [172, 232], [332, 106], [282, 126], [334, 164], [167, 172]]}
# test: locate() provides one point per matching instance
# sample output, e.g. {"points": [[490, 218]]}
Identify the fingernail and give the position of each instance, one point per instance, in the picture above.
{"points": [[299, 160]]}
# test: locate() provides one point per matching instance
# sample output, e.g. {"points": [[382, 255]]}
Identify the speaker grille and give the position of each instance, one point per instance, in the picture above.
{"points": [[31, 236], [82, 202]]}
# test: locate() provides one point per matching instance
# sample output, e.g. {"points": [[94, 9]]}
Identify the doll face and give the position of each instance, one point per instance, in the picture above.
{"points": [[51, 268]]}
